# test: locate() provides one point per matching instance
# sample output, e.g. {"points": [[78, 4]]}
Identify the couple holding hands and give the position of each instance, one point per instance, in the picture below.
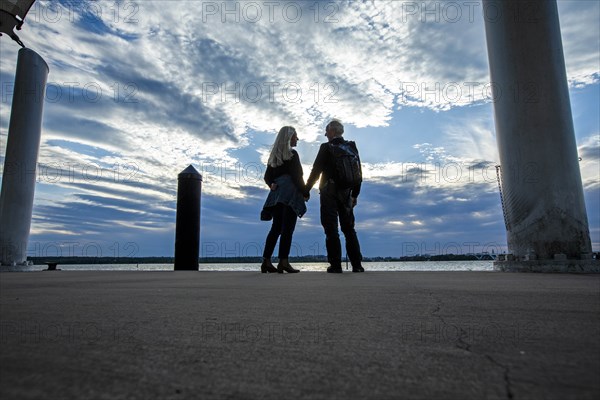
{"points": [[338, 166]]}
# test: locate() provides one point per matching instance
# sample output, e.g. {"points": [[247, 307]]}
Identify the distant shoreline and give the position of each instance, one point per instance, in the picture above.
{"points": [[245, 260]]}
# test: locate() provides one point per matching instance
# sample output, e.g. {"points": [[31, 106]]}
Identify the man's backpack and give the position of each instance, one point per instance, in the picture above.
{"points": [[348, 172]]}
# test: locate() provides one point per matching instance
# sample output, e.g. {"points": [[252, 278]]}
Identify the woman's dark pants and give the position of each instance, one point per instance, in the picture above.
{"points": [[284, 222]]}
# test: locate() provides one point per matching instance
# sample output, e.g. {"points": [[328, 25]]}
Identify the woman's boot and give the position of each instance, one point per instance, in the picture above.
{"points": [[267, 266], [284, 265]]}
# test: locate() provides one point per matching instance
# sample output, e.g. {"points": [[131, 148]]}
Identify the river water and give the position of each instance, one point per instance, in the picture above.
{"points": [[240, 267]]}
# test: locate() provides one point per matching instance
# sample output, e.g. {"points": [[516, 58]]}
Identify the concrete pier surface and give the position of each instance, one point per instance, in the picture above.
{"points": [[245, 335]]}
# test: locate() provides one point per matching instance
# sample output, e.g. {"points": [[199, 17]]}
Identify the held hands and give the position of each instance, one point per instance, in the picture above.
{"points": [[273, 186], [306, 195]]}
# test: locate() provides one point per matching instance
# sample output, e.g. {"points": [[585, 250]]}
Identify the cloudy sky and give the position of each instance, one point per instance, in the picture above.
{"points": [[139, 90]]}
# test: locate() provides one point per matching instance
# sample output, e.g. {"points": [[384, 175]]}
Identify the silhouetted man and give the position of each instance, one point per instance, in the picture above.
{"points": [[338, 195]]}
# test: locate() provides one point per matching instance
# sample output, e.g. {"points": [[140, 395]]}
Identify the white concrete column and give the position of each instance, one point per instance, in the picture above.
{"points": [[541, 181], [20, 163]]}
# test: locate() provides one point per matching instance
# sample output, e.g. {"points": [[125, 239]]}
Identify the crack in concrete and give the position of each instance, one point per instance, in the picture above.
{"points": [[507, 383], [463, 345]]}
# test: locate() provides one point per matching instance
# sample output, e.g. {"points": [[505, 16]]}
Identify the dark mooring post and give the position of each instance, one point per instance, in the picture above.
{"points": [[187, 230]]}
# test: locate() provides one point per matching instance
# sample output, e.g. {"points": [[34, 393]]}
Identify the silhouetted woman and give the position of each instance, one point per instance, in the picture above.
{"points": [[285, 202]]}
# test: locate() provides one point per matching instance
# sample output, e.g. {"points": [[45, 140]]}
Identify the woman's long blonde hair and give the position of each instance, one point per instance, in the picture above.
{"points": [[282, 150]]}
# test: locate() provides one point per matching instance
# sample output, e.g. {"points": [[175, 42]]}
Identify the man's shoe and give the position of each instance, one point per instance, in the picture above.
{"points": [[334, 270], [358, 268]]}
